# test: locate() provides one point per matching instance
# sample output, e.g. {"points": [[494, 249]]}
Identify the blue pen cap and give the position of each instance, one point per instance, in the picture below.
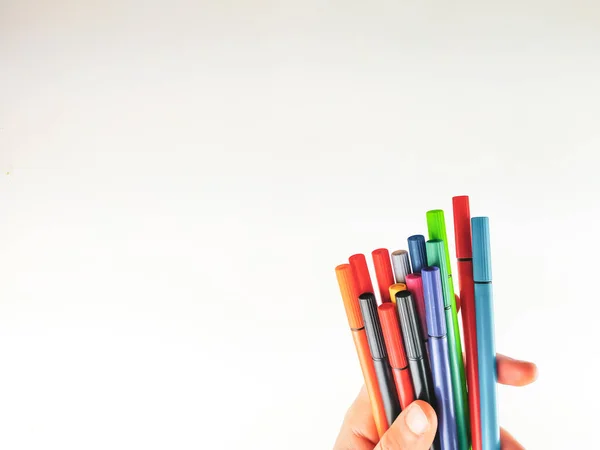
{"points": [[482, 259], [434, 302], [418, 255]]}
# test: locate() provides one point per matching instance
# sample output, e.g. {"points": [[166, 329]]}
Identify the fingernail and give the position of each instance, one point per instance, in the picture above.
{"points": [[416, 420]]}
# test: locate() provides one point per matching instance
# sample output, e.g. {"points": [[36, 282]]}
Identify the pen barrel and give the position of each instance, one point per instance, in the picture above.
{"points": [[486, 354], [442, 384], [404, 386], [420, 373], [457, 374], [387, 388], [368, 370], [467, 298]]}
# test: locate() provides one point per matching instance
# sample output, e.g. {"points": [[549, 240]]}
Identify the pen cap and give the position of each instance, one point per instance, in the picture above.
{"points": [[388, 315], [358, 263], [401, 265], [482, 260], [414, 284], [394, 288], [435, 258], [462, 226], [436, 226], [383, 272], [368, 307], [409, 323], [349, 291], [434, 302], [416, 248]]}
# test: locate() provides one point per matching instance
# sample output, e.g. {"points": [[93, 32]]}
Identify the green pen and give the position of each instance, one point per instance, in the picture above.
{"points": [[439, 256]]}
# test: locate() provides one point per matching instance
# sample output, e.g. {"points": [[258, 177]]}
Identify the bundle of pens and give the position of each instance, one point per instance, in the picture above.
{"points": [[409, 347]]}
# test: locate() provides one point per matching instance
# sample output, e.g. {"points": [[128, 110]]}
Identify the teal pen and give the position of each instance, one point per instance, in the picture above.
{"points": [[486, 351]]}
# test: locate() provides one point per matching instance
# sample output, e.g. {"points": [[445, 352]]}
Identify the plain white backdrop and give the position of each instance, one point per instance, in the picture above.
{"points": [[179, 179]]}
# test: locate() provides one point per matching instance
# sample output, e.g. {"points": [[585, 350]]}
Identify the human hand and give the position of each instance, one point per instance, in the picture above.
{"points": [[415, 428]]}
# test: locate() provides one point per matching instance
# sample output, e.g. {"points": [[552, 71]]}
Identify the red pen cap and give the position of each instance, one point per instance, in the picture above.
{"points": [[462, 226], [349, 291], [388, 315], [383, 272], [358, 263]]}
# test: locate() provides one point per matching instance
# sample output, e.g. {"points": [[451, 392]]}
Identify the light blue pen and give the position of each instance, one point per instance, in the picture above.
{"points": [[484, 312]]}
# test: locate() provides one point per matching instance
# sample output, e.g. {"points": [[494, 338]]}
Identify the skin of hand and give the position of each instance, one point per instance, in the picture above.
{"points": [[415, 427]]}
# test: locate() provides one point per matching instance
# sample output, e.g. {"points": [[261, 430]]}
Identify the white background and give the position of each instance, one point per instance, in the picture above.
{"points": [[179, 180]]}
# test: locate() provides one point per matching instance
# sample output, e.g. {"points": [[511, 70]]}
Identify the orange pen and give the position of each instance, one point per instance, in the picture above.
{"points": [[388, 315], [383, 272], [350, 291]]}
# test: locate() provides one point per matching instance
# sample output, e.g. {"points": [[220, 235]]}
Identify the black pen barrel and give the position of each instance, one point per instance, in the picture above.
{"points": [[391, 403], [422, 381], [418, 362]]}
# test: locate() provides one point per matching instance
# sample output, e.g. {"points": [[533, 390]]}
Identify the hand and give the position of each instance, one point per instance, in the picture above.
{"points": [[415, 428]]}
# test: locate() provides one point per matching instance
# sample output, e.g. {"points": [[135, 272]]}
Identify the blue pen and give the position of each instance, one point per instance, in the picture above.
{"points": [[438, 354], [486, 351], [418, 255]]}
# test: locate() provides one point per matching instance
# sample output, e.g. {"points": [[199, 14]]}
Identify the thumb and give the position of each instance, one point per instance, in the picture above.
{"points": [[414, 429]]}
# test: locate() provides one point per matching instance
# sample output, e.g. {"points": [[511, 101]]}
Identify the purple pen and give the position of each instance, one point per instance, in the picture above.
{"points": [[438, 355]]}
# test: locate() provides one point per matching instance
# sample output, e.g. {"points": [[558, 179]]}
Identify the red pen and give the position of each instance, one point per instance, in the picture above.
{"points": [[358, 263], [383, 272], [464, 254], [388, 315]]}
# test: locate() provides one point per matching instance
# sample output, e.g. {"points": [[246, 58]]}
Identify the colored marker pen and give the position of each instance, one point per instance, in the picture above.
{"points": [[418, 362], [464, 255], [358, 263], [486, 351], [401, 265], [388, 315], [440, 257], [438, 354], [414, 285], [387, 386], [350, 292], [418, 255], [396, 287], [383, 272]]}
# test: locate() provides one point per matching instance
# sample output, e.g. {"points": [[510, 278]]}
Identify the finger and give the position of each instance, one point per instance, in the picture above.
{"points": [[414, 429], [358, 430], [514, 372], [507, 442]]}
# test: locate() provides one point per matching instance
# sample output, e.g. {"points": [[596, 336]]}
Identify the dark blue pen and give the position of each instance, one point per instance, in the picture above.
{"points": [[438, 354]]}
